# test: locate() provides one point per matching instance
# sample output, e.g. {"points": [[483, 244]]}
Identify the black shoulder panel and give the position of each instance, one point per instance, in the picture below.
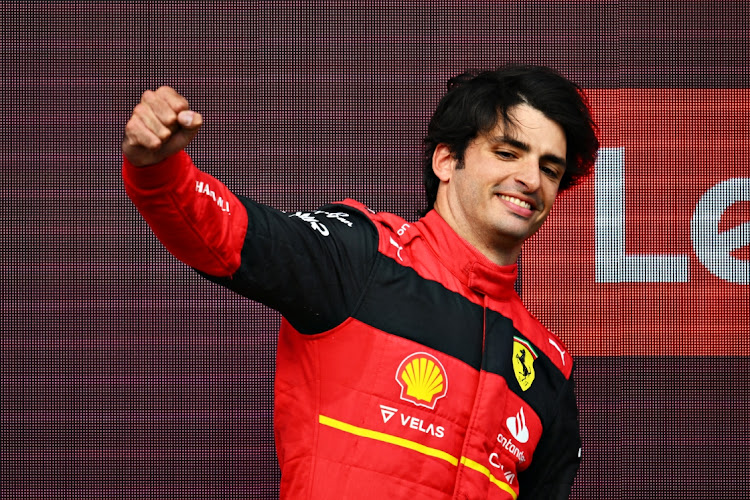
{"points": [[311, 266]]}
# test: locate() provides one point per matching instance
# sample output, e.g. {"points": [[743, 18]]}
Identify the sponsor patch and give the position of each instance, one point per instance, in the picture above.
{"points": [[422, 379], [517, 427], [523, 362]]}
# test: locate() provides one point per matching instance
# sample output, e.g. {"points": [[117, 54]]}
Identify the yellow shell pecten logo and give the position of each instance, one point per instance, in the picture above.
{"points": [[422, 379]]}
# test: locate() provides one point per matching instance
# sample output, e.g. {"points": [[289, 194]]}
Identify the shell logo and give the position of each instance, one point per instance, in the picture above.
{"points": [[422, 379]]}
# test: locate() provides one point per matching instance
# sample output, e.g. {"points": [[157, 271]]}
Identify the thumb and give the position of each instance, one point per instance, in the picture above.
{"points": [[189, 119], [189, 123]]}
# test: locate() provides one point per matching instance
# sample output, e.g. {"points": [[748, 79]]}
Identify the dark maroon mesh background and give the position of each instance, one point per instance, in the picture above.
{"points": [[125, 375]]}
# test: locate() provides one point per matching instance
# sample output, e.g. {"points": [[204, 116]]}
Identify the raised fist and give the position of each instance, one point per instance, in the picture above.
{"points": [[161, 125]]}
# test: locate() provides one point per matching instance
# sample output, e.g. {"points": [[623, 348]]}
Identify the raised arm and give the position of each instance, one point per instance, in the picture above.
{"points": [[309, 265], [194, 215]]}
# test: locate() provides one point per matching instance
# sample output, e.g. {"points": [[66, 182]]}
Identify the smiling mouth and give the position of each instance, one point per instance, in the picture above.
{"points": [[516, 201]]}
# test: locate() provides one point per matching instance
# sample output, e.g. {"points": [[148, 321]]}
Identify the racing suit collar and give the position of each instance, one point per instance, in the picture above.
{"points": [[466, 262]]}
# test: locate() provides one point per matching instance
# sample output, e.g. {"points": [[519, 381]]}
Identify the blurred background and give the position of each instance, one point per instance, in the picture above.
{"points": [[124, 374]]}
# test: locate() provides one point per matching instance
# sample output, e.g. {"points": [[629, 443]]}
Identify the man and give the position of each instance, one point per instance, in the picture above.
{"points": [[407, 366]]}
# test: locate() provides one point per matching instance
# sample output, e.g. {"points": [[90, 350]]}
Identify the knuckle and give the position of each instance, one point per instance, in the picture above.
{"points": [[134, 127], [130, 129], [166, 93], [139, 109], [147, 95], [168, 117], [174, 98], [163, 133], [153, 143]]}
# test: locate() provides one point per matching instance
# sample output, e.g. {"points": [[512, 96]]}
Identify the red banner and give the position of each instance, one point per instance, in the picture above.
{"points": [[651, 256]]}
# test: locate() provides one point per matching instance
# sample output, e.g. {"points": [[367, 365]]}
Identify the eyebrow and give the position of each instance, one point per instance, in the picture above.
{"points": [[510, 141]]}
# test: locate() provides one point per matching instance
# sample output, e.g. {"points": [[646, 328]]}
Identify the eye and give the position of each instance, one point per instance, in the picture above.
{"points": [[551, 172], [506, 155]]}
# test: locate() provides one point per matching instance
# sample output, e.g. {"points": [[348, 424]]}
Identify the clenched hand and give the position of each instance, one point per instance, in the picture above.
{"points": [[161, 125]]}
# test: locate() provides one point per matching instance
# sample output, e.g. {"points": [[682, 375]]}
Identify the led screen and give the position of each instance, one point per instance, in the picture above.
{"points": [[124, 374]]}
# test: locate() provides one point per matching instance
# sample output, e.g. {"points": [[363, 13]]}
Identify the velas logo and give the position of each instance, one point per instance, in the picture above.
{"points": [[523, 362], [422, 379]]}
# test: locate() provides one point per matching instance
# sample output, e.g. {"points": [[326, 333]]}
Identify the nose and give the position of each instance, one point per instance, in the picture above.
{"points": [[529, 175]]}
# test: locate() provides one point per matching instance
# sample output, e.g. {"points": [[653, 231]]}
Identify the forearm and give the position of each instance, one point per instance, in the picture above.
{"points": [[194, 215]]}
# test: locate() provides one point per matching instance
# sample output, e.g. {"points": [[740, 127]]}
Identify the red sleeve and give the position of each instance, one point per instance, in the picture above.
{"points": [[194, 215]]}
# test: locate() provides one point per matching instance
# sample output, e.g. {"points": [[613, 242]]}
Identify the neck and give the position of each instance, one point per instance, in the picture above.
{"points": [[494, 249]]}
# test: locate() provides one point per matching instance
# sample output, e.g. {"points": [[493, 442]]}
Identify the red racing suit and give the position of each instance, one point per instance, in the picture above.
{"points": [[407, 366]]}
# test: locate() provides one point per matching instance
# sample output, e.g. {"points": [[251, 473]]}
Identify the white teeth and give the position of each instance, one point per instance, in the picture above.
{"points": [[516, 201]]}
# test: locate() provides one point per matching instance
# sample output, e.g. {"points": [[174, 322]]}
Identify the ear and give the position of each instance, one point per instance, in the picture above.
{"points": [[443, 162]]}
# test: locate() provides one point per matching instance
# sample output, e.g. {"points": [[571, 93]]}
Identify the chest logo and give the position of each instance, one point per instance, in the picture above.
{"points": [[517, 427], [422, 379], [523, 362]]}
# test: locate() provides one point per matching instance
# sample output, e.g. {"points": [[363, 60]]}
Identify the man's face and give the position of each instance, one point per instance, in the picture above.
{"points": [[507, 185]]}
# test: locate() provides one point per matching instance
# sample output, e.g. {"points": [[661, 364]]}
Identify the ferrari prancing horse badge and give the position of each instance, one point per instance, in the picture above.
{"points": [[523, 362]]}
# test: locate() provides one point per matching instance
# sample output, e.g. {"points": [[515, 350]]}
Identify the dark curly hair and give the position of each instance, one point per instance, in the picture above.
{"points": [[475, 101]]}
